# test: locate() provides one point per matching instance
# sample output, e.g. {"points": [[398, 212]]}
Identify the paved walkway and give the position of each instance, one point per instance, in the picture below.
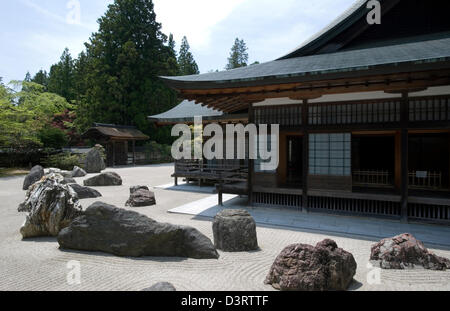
{"points": [[366, 227]]}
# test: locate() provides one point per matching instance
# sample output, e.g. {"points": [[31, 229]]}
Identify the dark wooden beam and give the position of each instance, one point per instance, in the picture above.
{"points": [[407, 77], [404, 156], [305, 156], [251, 163], [395, 83]]}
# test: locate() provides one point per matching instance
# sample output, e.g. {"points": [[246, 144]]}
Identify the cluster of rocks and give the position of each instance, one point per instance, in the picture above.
{"points": [[52, 204], [54, 210]]}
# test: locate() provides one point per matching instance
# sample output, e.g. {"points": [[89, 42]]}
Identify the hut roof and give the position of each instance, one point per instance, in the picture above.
{"points": [[111, 131]]}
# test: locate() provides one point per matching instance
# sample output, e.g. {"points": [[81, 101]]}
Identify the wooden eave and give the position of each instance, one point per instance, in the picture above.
{"points": [[234, 99]]}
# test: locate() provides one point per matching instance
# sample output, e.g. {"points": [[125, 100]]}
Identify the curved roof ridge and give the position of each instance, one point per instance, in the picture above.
{"points": [[187, 109]]}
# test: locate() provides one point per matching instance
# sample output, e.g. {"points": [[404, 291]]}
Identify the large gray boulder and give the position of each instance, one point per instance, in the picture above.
{"points": [[235, 231], [141, 196], [51, 206], [108, 229], [35, 175], [404, 251], [104, 179], [85, 192], [302, 267], [161, 287], [94, 161], [78, 172]]}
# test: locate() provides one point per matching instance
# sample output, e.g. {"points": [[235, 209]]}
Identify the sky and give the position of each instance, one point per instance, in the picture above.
{"points": [[34, 33]]}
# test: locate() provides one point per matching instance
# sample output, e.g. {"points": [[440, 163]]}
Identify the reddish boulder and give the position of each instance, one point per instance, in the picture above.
{"points": [[404, 251], [140, 196], [302, 267]]}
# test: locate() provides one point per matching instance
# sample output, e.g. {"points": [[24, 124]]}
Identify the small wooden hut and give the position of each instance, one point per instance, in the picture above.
{"points": [[119, 141]]}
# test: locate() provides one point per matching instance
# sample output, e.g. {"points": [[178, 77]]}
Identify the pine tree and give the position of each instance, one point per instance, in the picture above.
{"points": [[27, 77], [41, 77], [238, 55], [171, 44], [186, 61]]}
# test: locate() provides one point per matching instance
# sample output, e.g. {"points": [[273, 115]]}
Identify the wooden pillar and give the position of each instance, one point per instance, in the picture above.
{"points": [[113, 153], [251, 162], [398, 161], [134, 152], [404, 156], [305, 155]]}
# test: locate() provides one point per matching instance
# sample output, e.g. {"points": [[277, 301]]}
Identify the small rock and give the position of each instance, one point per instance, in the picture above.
{"points": [[51, 206], [78, 172], [141, 196], [36, 173], [404, 251], [104, 179], [53, 170], [235, 231], [302, 267], [121, 232], [161, 287], [85, 192]]}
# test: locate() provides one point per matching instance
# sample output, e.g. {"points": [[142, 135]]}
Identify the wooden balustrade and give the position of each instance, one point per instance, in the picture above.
{"points": [[425, 180], [372, 178]]}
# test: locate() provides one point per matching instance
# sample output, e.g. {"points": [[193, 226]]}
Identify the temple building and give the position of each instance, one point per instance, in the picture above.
{"points": [[364, 115]]}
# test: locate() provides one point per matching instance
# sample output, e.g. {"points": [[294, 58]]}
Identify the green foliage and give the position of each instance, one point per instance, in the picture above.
{"points": [[52, 137], [23, 114], [186, 61], [63, 161], [155, 152], [116, 79], [238, 55]]}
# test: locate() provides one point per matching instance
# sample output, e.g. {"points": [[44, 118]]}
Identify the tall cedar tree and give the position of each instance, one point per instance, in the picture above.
{"points": [[41, 77], [186, 61], [61, 77], [238, 55], [123, 62]]}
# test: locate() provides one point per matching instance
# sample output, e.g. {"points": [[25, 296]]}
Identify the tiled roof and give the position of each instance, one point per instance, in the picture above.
{"points": [[355, 60]]}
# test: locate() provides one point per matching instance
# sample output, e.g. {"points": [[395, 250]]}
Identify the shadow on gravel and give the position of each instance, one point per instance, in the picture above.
{"points": [[40, 240], [106, 255]]}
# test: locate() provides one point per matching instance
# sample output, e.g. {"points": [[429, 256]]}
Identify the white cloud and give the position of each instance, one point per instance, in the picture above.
{"points": [[193, 18]]}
